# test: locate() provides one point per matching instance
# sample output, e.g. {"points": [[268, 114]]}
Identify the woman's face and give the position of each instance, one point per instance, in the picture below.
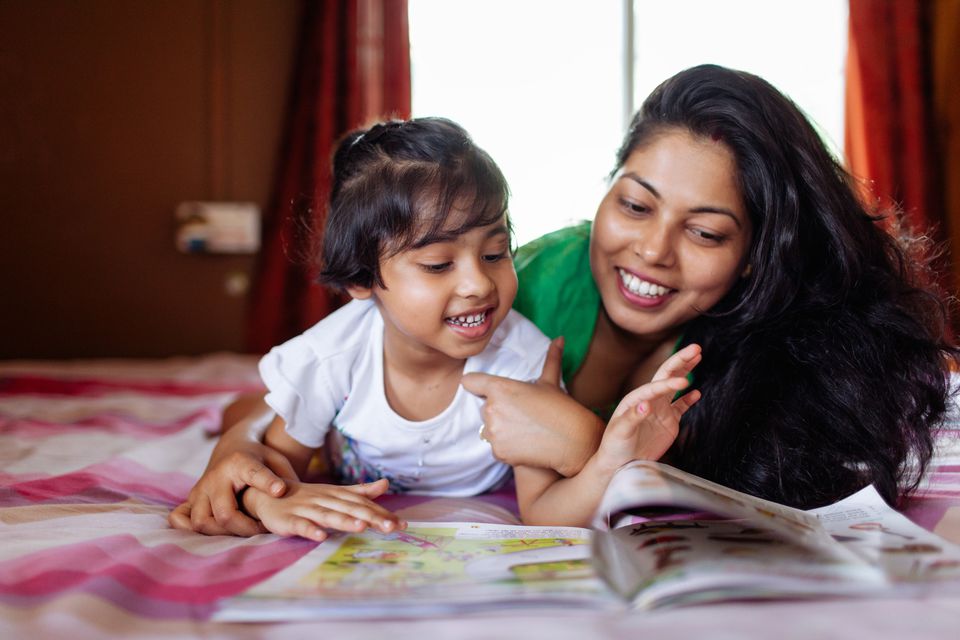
{"points": [[671, 235]]}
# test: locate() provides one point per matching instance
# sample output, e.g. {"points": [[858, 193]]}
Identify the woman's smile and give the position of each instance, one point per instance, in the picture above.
{"points": [[671, 236]]}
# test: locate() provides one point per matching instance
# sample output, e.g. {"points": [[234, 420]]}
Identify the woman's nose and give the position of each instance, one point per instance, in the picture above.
{"points": [[655, 245]]}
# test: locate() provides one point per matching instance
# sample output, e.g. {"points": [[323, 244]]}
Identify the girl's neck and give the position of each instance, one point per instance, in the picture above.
{"points": [[419, 383]]}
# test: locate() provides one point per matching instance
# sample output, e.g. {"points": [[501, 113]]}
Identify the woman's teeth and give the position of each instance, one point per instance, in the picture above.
{"points": [[641, 287], [472, 320]]}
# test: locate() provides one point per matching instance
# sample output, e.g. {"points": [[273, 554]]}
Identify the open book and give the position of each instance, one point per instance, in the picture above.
{"points": [[661, 537]]}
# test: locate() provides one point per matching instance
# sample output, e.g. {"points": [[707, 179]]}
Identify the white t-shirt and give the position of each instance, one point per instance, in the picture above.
{"points": [[332, 374]]}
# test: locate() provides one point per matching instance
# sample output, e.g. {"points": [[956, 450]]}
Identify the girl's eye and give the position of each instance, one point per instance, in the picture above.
{"points": [[436, 267], [495, 257]]}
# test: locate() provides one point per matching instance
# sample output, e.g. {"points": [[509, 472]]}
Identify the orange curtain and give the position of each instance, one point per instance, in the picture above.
{"points": [[352, 66], [888, 109], [944, 20]]}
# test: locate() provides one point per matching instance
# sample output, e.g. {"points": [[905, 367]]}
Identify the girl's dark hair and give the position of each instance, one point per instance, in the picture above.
{"points": [[395, 186], [824, 369]]}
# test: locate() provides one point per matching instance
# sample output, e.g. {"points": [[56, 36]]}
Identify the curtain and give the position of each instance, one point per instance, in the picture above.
{"points": [[944, 21], [887, 107], [352, 66]]}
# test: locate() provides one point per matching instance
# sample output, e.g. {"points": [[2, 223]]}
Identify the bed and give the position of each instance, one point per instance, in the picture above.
{"points": [[93, 454]]}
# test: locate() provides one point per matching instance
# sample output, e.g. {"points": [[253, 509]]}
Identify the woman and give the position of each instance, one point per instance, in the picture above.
{"points": [[728, 224]]}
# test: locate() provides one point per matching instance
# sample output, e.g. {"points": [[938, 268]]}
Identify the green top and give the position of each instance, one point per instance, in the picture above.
{"points": [[557, 292]]}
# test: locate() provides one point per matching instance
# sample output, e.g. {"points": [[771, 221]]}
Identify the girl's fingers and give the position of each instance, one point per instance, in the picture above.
{"points": [[681, 363], [370, 489], [651, 391], [341, 520], [358, 508], [686, 401], [305, 528]]}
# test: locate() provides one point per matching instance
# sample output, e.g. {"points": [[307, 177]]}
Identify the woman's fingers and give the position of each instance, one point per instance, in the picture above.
{"points": [[553, 364], [203, 521], [179, 518], [255, 473]]}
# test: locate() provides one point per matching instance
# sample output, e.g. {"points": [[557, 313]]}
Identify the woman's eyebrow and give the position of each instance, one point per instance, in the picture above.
{"points": [[704, 209]]}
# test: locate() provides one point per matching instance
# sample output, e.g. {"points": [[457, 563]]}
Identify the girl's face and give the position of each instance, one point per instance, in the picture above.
{"points": [[671, 235], [447, 298]]}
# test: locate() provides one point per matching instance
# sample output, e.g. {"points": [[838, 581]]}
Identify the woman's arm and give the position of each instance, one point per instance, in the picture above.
{"points": [[536, 424], [239, 460]]}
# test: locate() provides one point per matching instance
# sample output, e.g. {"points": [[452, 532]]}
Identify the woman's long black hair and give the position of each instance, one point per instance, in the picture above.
{"points": [[824, 369]]}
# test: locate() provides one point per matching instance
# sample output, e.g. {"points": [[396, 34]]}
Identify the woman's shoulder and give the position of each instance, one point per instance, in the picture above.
{"points": [[555, 248]]}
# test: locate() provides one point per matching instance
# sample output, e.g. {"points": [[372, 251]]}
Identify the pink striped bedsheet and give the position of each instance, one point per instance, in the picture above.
{"points": [[93, 455]]}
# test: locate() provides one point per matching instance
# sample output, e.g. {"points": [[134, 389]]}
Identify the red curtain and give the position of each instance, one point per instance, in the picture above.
{"points": [[352, 67], [888, 110]]}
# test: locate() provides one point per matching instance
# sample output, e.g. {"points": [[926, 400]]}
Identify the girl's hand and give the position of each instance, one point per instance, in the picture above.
{"points": [[238, 460], [536, 424], [307, 510], [647, 420]]}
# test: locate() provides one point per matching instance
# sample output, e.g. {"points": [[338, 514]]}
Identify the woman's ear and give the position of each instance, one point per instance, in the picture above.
{"points": [[746, 271], [359, 293]]}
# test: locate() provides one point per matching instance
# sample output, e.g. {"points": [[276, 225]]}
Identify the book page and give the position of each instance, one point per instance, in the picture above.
{"points": [[661, 563], [643, 483], [907, 553], [430, 568]]}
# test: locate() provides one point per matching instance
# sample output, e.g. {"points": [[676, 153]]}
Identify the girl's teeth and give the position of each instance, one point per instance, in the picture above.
{"points": [[472, 320], [641, 287]]}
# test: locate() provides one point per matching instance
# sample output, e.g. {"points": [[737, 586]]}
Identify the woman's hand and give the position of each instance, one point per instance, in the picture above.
{"points": [[308, 510], [536, 424], [239, 460], [647, 420]]}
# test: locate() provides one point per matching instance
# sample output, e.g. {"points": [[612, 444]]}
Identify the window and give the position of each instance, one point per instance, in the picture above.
{"points": [[543, 85]]}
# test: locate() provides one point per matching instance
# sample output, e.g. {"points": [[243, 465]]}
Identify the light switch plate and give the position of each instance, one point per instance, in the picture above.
{"points": [[218, 227]]}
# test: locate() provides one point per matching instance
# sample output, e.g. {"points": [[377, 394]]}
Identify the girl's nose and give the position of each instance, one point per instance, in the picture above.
{"points": [[474, 281]]}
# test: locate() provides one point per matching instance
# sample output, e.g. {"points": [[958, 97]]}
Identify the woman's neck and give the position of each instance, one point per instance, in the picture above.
{"points": [[618, 361]]}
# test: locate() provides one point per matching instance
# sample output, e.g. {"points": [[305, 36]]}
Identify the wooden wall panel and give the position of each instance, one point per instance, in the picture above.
{"points": [[111, 113]]}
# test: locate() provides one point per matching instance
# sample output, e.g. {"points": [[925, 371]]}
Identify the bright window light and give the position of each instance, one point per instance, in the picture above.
{"points": [[540, 84]]}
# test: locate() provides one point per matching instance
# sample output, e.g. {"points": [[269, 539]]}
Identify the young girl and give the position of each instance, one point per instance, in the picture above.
{"points": [[418, 235]]}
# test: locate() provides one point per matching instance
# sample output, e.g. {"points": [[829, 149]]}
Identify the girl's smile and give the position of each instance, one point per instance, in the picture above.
{"points": [[443, 301]]}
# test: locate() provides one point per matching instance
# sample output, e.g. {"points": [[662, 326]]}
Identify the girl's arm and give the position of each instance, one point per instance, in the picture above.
{"points": [[240, 459], [643, 427], [536, 424]]}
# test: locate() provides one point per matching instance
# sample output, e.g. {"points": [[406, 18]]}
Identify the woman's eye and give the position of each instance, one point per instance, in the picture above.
{"points": [[634, 208], [708, 236], [494, 257], [438, 267]]}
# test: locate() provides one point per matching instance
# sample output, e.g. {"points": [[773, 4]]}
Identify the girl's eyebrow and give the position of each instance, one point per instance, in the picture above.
{"points": [[704, 209], [451, 236]]}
